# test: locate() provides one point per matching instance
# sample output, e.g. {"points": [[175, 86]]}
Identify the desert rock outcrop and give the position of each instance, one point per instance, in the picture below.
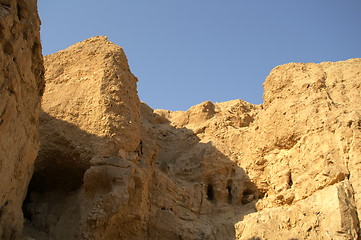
{"points": [[110, 167], [21, 87], [304, 139], [285, 169]]}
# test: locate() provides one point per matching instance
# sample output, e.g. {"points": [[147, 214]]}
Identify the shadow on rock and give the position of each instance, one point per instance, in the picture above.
{"points": [[199, 193], [172, 187]]}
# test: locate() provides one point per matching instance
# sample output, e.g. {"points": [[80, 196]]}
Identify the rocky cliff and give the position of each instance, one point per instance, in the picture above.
{"points": [[21, 87], [301, 149], [110, 167]]}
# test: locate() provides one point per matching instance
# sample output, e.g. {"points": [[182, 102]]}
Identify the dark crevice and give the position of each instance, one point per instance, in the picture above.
{"points": [[19, 12], [290, 181], [210, 192], [26, 211], [229, 188], [2, 31], [5, 5], [57, 172], [248, 196]]}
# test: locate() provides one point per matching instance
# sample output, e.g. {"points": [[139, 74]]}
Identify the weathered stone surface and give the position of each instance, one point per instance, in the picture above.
{"points": [[110, 167], [288, 168], [196, 192], [327, 214], [131, 181], [304, 138], [89, 125], [90, 85], [21, 87]]}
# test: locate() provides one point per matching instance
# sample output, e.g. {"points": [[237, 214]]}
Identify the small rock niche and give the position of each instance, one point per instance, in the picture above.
{"points": [[210, 192]]}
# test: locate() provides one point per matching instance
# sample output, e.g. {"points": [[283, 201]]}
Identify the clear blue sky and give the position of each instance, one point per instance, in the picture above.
{"points": [[188, 51]]}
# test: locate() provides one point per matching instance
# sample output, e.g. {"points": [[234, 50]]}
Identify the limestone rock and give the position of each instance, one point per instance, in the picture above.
{"points": [[90, 119], [304, 138], [110, 167], [21, 87], [328, 214], [288, 168], [90, 86], [121, 170]]}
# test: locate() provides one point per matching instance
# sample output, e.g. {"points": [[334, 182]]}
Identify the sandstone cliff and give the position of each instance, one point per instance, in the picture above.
{"points": [[21, 87], [301, 148], [110, 167]]}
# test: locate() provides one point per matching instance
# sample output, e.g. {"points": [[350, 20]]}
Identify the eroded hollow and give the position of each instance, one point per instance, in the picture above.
{"points": [[210, 192], [229, 189], [248, 196], [57, 176], [58, 172], [230, 197], [290, 181]]}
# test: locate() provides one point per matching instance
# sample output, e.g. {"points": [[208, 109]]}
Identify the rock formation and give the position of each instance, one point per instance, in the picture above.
{"points": [[21, 87], [301, 149], [110, 167]]}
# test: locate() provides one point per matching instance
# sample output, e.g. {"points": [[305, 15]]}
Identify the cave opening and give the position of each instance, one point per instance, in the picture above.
{"points": [[210, 192], [248, 196], [229, 189], [230, 197], [56, 176]]}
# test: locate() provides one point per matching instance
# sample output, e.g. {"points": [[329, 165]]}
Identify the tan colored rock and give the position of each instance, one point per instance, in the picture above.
{"points": [[197, 192], [90, 85], [304, 138], [21, 87], [110, 189], [328, 214], [91, 123], [288, 168], [90, 108]]}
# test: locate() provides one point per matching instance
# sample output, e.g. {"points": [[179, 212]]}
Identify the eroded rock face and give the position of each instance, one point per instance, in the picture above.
{"points": [[120, 170], [90, 127], [328, 214], [21, 87], [90, 85], [304, 138]]}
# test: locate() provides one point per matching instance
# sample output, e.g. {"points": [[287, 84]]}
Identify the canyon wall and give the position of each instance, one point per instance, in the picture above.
{"points": [[110, 167], [21, 87], [301, 149]]}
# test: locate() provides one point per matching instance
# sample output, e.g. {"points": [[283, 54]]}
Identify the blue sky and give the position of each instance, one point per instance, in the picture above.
{"points": [[185, 52]]}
